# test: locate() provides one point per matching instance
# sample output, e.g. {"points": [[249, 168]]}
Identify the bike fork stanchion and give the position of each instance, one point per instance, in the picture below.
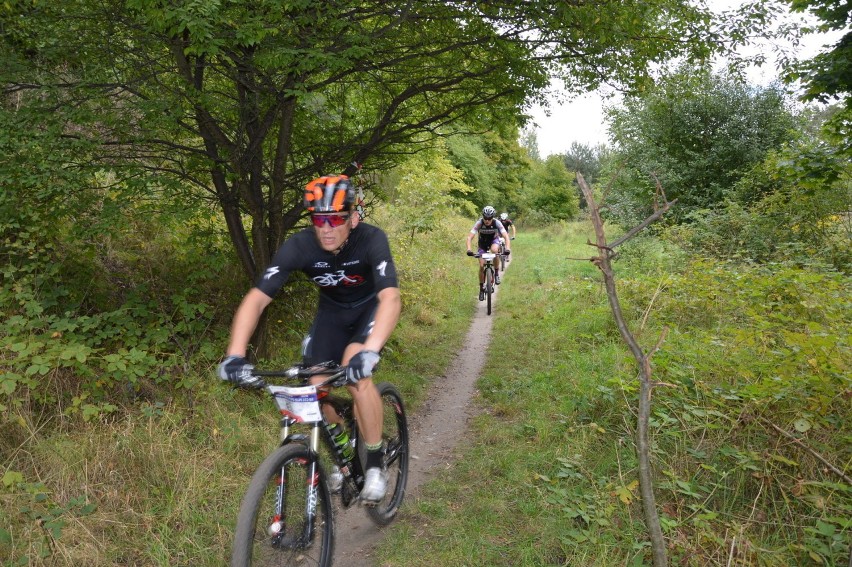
{"points": [[311, 504]]}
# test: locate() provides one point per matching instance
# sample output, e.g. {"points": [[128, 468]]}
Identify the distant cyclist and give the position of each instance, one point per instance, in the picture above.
{"points": [[508, 223], [359, 305], [491, 235]]}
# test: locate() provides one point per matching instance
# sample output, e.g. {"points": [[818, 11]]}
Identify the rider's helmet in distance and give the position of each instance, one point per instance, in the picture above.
{"points": [[488, 212], [504, 216], [329, 194]]}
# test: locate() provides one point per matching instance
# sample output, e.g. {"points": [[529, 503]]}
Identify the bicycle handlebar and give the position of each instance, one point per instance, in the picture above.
{"points": [[337, 373]]}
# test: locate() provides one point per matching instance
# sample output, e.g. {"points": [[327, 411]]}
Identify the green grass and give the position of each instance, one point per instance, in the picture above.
{"points": [[548, 470], [159, 482], [505, 502]]}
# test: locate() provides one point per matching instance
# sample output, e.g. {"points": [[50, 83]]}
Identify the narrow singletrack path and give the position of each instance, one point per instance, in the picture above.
{"points": [[434, 432]]}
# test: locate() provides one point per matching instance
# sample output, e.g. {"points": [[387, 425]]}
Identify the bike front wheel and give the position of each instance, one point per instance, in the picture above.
{"points": [[395, 446], [285, 517], [489, 290]]}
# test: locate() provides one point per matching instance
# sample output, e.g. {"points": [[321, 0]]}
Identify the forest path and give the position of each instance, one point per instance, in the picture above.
{"points": [[434, 433]]}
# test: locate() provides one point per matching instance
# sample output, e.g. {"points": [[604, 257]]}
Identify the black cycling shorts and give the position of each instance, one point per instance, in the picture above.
{"points": [[334, 328]]}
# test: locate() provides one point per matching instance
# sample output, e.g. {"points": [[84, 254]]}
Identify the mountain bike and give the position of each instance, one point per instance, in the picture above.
{"points": [[286, 514], [489, 277], [504, 258]]}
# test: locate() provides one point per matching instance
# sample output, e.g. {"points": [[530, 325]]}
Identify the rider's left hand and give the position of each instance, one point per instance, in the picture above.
{"points": [[361, 365]]}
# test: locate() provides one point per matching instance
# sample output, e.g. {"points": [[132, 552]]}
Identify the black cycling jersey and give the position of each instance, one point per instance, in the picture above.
{"points": [[507, 223], [487, 234], [363, 266]]}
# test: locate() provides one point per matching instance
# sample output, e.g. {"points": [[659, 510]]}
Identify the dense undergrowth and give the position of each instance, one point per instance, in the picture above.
{"points": [[750, 429], [119, 445]]}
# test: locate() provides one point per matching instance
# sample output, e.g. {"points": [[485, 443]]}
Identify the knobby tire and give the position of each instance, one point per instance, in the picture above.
{"points": [[395, 441], [489, 289], [252, 543]]}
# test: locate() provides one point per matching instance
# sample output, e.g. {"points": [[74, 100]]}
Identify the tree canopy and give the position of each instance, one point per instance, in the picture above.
{"points": [[698, 133], [828, 76], [238, 104]]}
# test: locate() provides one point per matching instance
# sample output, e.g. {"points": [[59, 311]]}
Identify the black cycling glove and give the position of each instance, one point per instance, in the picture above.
{"points": [[240, 372], [361, 365]]}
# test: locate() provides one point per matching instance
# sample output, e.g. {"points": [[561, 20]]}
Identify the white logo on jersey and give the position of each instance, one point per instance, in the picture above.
{"points": [[271, 271], [381, 268], [321, 264]]}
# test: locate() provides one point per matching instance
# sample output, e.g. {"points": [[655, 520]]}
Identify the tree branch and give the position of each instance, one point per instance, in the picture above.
{"points": [[816, 455]]}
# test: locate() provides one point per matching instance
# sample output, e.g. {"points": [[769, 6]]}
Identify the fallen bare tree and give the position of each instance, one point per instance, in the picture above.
{"points": [[643, 360]]}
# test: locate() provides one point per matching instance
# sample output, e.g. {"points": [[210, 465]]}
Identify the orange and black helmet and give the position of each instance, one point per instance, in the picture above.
{"points": [[329, 194]]}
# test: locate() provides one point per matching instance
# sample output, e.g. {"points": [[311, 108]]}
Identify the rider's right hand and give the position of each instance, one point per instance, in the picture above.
{"points": [[239, 371], [470, 253]]}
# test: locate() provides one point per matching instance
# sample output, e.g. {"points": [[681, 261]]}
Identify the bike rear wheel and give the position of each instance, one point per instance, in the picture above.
{"points": [[272, 528], [395, 441]]}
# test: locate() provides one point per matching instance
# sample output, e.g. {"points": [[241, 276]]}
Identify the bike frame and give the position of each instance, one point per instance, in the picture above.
{"points": [[488, 270], [312, 440]]}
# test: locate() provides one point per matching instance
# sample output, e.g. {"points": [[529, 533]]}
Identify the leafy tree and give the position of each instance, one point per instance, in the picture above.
{"points": [[240, 103], [529, 141], [698, 132], [424, 190], [512, 164], [828, 75], [233, 106], [790, 207], [493, 165], [586, 160], [549, 192], [467, 153]]}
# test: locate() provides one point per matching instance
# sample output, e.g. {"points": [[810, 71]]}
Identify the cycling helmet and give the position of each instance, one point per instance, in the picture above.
{"points": [[504, 216], [488, 212], [329, 194]]}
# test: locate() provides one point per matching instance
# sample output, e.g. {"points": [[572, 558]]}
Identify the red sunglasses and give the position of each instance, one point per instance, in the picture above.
{"points": [[333, 220]]}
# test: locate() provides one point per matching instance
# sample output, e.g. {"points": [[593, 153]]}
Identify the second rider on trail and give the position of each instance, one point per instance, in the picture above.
{"points": [[491, 235]]}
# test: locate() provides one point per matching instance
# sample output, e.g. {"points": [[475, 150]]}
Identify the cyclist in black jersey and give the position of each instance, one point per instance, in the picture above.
{"points": [[491, 234], [508, 223], [359, 306]]}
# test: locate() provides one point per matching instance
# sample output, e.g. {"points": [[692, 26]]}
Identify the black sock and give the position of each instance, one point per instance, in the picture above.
{"points": [[374, 459]]}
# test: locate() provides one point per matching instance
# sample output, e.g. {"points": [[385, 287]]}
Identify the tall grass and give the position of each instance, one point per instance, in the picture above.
{"points": [[547, 472], [158, 480]]}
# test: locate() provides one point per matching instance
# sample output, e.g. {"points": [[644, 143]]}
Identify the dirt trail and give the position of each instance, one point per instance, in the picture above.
{"points": [[434, 433]]}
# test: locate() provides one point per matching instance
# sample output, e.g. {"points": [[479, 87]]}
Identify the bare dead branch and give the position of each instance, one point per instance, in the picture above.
{"points": [[644, 224], [660, 194], [660, 341], [816, 455], [650, 304], [646, 384]]}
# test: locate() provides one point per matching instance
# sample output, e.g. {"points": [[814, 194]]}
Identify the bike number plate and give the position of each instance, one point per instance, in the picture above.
{"points": [[488, 256], [299, 403]]}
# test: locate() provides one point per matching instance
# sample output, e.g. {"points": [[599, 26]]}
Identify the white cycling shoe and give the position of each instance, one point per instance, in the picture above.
{"points": [[375, 485]]}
